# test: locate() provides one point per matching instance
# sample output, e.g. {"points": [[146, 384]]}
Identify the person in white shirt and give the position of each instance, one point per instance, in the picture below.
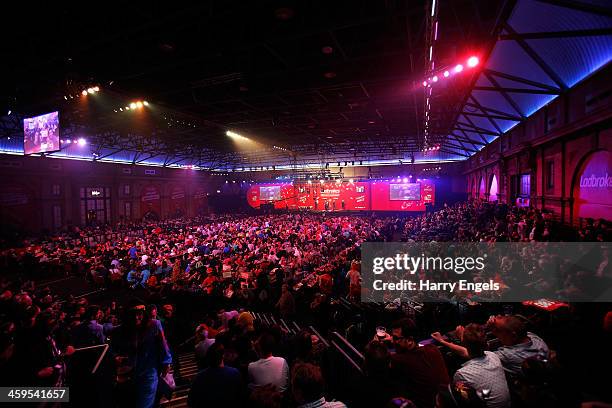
{"points": [[484, 371], [268, 369]]}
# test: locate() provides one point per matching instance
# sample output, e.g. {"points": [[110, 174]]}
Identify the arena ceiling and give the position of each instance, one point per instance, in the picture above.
{"points": [[310, 82]]}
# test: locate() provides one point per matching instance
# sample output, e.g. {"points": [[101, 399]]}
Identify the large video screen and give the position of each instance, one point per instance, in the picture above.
{"points": [[41, 134], [405, 191], [269, 193]]}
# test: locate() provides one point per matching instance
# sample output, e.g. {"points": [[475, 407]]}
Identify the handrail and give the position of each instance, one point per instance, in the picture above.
{"points": [[350, 360], [347, 343], [319, 336], [105, 349], [286, 326]]}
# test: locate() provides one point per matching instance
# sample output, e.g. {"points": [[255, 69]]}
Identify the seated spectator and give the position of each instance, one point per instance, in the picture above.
{"points": [[286, 303], [483, 372], [307, 386], [400, 402], [218, 385], [376, 389], [203, 343], [268, 369], [418, 371], [265, 397], [517, 343], [458, 395]]}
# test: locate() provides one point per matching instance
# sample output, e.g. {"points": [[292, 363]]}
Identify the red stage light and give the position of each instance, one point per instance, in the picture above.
{"points": [[424, 83], [446, 74], [435, 78], [472, 61], [458, 68]]}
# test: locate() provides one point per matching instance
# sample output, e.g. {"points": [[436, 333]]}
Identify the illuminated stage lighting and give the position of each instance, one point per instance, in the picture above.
{"points": [[90, 90], [424, 83], [127, 108], [446, 74], [96, 88], [472, 62], [84, 92], [435, 78], [133, 105], [82, 142], [139, 104], [65, 97], [121, 109], [405, 180], [235, 135], [145, 103], [458, 68]]}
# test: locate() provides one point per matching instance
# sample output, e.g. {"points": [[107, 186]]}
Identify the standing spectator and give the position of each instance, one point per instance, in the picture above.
{"points": [[90, 332], [141, 349]]}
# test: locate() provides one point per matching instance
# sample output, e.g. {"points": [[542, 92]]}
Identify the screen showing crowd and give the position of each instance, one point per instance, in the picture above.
{"points": [[270, 193], [41, 133], [405, 191]]}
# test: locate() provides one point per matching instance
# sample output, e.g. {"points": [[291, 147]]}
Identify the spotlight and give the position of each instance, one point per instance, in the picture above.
{"points": [[145, 103], [90, 90], [446, 74], [82, 142], [132, 105], [424, 83], [435, 78], [84, 93], [65, 97], [96, 88], [127, 108], [472, 62], [75, 141], [115, 110], [458, 68], [405, 180], [139, 104], [121, 109]]}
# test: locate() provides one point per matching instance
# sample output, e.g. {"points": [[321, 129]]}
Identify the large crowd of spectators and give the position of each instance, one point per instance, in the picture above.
{"points": [[295, 265]]}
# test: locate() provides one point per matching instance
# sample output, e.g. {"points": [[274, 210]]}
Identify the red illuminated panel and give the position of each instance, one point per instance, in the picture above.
{"points": [[286, 199], [333, 196]]}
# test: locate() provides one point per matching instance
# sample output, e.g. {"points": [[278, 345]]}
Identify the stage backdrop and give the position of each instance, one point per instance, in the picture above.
{"points": [[334, 196]]}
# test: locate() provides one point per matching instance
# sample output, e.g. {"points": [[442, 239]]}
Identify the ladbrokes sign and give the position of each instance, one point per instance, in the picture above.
{"points": [[595, 181]]}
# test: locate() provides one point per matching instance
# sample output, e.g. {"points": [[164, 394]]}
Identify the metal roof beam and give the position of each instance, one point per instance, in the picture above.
{"points": [[580, 6], [520, 79], [502, 114], [516, 90], [506, 96], [557, 34], [537, 59]]}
